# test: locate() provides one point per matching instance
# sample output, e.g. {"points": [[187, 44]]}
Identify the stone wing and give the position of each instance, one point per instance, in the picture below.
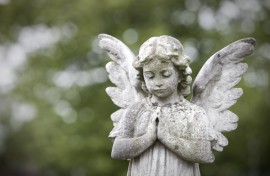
{"points": [[122, 74], [214, 87]]}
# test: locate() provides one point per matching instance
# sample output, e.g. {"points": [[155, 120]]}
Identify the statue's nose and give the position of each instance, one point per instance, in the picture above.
{"points": [[159, 84]]}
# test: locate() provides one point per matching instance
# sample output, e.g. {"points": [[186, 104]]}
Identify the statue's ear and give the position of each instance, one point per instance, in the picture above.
{"points": [[181, 76]]}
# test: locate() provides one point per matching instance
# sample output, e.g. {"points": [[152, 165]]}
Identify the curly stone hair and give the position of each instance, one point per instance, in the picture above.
{"points": [[167, 49]]}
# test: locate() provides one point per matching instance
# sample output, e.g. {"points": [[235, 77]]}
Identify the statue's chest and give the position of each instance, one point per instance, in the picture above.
{"points": [[176, 119]]}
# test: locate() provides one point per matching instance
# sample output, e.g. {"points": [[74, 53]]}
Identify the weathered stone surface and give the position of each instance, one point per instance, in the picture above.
{"points": [[157, 129]]}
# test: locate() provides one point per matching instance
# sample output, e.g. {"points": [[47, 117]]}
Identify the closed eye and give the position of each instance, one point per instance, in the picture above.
{"points": [[166, 73], [149, 75]]}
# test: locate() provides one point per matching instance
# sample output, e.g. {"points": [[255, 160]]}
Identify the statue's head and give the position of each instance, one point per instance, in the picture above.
{"points": [[162, 52]]}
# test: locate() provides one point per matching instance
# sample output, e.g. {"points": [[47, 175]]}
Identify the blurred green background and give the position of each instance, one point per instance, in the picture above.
{"points": [[54, 112]]}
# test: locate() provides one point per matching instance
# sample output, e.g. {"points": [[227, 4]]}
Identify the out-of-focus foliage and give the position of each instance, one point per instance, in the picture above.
{"points": [[54, 113]]}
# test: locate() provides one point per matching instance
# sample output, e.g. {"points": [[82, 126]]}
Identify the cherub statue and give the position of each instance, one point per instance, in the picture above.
{"points": [[157, 129]]}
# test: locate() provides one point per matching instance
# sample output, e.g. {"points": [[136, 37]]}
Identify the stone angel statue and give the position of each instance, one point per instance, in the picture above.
{"points": [[156, 128]]}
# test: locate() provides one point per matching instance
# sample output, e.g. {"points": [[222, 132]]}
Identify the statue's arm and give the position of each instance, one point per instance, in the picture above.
{"points": [[193, 150], [128, 148], [193, 145]]}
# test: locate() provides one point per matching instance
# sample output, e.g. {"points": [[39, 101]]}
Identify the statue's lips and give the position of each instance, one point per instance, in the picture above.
{"points": [[159, 90]]}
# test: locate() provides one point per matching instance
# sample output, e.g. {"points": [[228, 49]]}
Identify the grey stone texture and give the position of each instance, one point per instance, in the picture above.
{"points": [[156, 128]]}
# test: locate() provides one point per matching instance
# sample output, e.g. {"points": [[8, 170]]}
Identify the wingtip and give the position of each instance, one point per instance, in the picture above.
{"points": [[104, 38], [100, 36], [103, 35], [250, 40], [107, 37]]}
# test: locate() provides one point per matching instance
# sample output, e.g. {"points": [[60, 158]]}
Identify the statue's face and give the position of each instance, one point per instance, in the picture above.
{"points": [[161, 78]]}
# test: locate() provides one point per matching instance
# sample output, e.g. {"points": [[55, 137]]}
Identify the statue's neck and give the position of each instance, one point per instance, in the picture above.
{"points": [[161, 101]]}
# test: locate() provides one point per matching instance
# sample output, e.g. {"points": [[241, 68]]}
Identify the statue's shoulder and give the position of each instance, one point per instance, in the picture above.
{"points": [[138, 107], [197, 116], [191, 106], [194, 109]]}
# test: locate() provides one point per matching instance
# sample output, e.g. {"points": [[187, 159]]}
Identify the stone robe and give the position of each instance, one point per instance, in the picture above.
{"points": [[182, 119]]}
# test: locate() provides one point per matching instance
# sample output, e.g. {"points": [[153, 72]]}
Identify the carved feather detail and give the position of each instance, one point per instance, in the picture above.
{"points": [[214, 90], [122, 74]]}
